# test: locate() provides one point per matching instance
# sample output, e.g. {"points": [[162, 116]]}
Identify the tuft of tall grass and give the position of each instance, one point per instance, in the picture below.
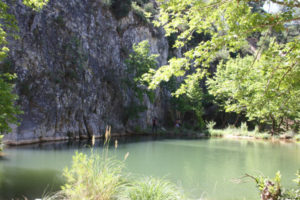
{"points": [[152, 189], [93, 177], [210, 125]]}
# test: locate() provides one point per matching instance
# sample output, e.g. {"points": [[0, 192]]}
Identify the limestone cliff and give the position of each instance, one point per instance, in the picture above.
{"points": [[70, 66]]}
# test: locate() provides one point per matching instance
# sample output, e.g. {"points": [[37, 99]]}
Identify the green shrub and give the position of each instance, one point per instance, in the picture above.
{"points": [[297, 137], [149, 8], [1, 143], [152, 189], [140, 12], [93, 177]]}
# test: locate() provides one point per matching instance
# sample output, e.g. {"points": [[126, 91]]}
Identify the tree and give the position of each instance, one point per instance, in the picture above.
{"points": [[263, 93], [139, 62], [8, 26], [231, 24]]}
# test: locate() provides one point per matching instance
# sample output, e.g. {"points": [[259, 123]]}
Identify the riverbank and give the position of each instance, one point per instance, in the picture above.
{"points": [[240, 133], [230, 133], [173, 133]]}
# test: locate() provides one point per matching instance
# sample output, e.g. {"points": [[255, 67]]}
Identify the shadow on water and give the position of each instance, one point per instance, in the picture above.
{"points": [[80, 144], [18, 183]]}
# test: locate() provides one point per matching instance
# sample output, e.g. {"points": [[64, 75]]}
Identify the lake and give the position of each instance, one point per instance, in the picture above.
{"points": [[204, 168]]}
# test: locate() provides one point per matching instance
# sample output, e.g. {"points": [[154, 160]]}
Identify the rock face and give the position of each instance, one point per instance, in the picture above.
{"points": [[70, 66]]}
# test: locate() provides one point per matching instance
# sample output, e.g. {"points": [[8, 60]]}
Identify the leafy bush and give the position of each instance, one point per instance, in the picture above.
{"points": [[152, 189]]}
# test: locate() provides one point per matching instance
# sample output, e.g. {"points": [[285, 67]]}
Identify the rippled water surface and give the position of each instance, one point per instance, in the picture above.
{"points": [[204, 168]]}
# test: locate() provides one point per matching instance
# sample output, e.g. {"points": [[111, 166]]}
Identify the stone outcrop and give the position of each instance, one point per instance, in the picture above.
{"points": [[71, 71]]}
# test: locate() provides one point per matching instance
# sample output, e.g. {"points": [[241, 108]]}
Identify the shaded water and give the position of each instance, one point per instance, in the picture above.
{"points": [[204, 168]]}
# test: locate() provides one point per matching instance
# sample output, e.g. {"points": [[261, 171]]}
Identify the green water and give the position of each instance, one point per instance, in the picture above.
{"points": [[204, 168]]}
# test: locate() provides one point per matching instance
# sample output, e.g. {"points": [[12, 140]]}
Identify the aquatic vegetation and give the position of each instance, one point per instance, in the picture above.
{"points": [[152, 189]]}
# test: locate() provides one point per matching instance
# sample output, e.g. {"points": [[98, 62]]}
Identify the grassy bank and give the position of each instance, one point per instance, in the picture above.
{"points": [[243, 131]]}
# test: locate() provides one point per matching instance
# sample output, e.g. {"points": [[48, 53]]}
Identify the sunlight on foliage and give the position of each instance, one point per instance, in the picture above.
{"points": [[93, 177], [35, 4]]}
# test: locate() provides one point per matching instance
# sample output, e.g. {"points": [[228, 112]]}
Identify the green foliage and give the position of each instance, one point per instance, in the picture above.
{"points": [[140, 12], [229, 23], [188, 104], [265, 93], [152, 189], [8, 111], [235, 131], [272, 189], [139, 62], [1, 143], [35, 4], [269, 188], [93, 177], [264, 86]]}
